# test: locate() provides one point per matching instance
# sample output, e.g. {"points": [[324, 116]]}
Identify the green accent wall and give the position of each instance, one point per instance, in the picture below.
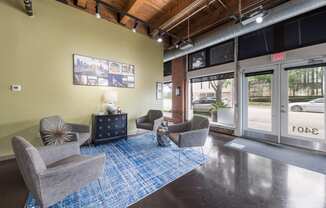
{"points": [[36, 52]]}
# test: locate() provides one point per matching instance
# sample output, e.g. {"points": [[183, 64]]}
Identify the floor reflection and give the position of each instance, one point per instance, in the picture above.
{"points": [[264, 181], [305, 188], [235, 179], [259, 179]]}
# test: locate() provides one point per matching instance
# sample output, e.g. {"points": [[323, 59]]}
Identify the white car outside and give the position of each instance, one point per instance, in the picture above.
{"points": [[204, 105], [316, 105]]}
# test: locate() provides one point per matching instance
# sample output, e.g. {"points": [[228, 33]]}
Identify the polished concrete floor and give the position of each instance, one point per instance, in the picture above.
{"points": [[229, 179]]}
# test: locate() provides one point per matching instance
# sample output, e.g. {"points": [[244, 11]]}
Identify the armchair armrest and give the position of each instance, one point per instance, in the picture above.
{"points": [[80, 128], [176, 128], [194, 138], [52, 172], [141, 119], [53, 153], [72, 176]]}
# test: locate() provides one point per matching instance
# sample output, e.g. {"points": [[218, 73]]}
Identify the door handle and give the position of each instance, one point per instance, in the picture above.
{"points": [[283, 111]]}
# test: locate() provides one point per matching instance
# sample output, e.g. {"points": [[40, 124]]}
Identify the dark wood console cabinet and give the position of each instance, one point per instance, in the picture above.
{"points": [[109, 127]]}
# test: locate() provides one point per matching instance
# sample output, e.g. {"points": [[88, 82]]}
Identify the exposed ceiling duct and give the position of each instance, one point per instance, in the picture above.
{"points": [[284, 11]]}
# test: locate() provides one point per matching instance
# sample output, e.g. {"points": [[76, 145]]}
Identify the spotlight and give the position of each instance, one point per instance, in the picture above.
{"points": [[259, 19], [159, 39], [178, 44], [98, 15], [134, 29]]}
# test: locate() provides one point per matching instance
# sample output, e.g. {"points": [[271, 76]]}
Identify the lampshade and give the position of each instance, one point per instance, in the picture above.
{"points": [[110, 97]]}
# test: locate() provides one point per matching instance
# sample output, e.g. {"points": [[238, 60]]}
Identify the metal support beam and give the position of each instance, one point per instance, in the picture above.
{"points": [[118, 17], [28, 7], [226, 7], [148, 30], [237, 92]]}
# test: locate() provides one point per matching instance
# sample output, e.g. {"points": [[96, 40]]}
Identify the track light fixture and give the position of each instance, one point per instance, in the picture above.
{"points": [[134, 28], [146, 25], [259, 19], [178, 45], [261, 16], [97, 8], [159, 38]]}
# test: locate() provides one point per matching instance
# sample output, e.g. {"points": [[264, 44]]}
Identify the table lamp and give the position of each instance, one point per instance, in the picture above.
{"points": [[110, 99]]}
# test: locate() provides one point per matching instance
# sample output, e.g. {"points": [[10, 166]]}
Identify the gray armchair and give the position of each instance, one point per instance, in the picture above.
{"points": [[53, 172], [54, 126], [151, 121], [190, 134]]}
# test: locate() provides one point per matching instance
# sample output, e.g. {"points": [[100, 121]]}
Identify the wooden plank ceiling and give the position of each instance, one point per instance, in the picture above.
{"points": [[174, 17]]}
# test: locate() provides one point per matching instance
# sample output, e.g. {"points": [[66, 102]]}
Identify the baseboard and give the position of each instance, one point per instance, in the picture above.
{"points": [[136, 132], [7, 157], [223, 130], [130, 134]]}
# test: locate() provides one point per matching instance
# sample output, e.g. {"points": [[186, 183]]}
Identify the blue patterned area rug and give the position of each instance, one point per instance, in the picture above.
{"points": [[134, 169]]}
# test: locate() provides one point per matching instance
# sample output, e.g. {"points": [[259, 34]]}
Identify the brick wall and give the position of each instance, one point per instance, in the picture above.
{"points": [[179, 81]]}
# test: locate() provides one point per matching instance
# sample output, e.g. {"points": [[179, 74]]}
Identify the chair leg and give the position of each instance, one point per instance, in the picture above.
{"points": [[179, 158], [202, 153], [99, 183]]}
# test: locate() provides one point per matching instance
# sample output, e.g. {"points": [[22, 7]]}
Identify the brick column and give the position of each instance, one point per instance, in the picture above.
{"points": [[179, 81]]}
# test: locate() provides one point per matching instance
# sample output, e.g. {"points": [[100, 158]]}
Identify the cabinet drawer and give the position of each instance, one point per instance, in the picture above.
{"points": [[108, 127], [119, 132]]}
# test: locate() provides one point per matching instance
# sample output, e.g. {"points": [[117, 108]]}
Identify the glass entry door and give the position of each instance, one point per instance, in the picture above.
{"points": [[259, 105], [303, 106]]}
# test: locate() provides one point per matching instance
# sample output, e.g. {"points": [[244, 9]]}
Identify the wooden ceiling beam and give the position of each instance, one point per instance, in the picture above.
{"points": [[81, 3], [132, 5]]}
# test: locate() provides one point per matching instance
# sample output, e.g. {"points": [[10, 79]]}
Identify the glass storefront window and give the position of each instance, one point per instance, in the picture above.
{"points": [[197, 60], [167, 99], [306, 109], [212, 97], [260, 102]]}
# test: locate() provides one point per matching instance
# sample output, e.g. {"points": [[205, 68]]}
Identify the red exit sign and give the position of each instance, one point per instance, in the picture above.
{"points": [[278, 56]]}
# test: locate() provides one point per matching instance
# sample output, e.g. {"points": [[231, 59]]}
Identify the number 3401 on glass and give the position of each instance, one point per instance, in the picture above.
{"points": [[305, 130]]}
